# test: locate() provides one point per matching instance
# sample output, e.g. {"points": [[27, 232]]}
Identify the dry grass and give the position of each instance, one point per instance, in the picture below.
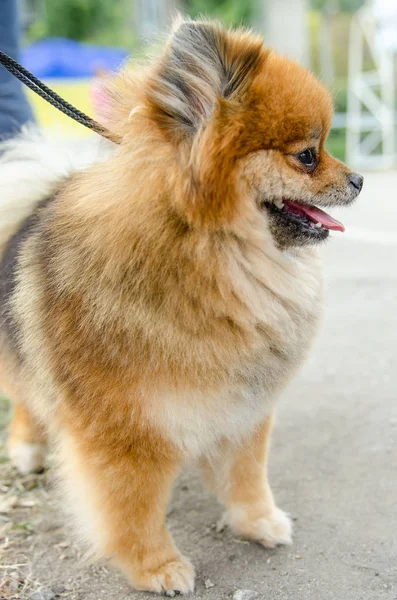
{"points": [[38, 561], [20, 499]]}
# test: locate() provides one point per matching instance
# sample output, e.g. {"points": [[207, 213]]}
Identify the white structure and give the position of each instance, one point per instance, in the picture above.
{"points": [[286, 28], [152, 17], [371, 120]]}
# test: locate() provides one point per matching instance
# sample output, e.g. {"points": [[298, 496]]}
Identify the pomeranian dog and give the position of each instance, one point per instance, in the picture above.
{"points": [[157, 295]]}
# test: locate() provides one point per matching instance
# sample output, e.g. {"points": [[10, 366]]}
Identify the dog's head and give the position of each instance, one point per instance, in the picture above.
{"points": [[248, 128]]}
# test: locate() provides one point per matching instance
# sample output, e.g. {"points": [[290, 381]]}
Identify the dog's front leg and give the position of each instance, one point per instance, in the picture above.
{"points": [[237, 472], [119, 493]]}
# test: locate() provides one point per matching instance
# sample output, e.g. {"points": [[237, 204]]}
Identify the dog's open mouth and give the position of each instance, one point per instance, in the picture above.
{"points": [[311, 221]]}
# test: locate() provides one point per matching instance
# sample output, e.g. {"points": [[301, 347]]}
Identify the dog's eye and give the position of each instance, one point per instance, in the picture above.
{"points": [[308, 158]]}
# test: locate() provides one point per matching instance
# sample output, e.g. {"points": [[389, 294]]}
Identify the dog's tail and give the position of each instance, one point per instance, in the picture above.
{"points": [[32, 167]]}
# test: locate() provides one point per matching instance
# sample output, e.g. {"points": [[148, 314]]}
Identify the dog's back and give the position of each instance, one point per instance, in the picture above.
{"points": [[32, 167]]}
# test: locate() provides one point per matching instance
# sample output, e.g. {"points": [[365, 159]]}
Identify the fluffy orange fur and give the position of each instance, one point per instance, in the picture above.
{"points": [[155, 317]]}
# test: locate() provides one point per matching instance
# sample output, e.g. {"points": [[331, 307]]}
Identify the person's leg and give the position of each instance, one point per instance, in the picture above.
{"points": [[15, 109]]}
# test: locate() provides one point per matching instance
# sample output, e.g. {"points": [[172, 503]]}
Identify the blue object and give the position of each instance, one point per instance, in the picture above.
{"points": [[63, 58]]}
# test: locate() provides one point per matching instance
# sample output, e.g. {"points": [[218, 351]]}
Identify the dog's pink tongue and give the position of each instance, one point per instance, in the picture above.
{"points": [[317, 215]]}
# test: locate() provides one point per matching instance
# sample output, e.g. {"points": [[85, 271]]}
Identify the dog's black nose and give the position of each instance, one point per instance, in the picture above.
{"points": [[356, 180]]}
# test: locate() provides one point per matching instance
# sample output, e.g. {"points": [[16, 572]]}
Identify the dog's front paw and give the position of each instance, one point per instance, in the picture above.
{"points": [[271, 529], [276, 531], [176, 576]]}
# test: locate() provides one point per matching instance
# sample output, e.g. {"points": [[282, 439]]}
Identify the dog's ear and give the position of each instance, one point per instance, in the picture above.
{"points": [[202, 62]]}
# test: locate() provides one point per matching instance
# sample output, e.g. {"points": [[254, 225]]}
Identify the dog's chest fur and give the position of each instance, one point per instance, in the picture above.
{"points": [[195, 386], [196, 419]]}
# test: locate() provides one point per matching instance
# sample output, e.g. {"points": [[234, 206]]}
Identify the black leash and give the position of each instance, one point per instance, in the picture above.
{"points": [[52, 97]]}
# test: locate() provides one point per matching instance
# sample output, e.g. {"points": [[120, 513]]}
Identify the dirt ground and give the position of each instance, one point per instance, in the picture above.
{"points": [[333, 463]]}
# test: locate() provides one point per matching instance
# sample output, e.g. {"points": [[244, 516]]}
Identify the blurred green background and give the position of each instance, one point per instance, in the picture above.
{"points": [[113, 23]]}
